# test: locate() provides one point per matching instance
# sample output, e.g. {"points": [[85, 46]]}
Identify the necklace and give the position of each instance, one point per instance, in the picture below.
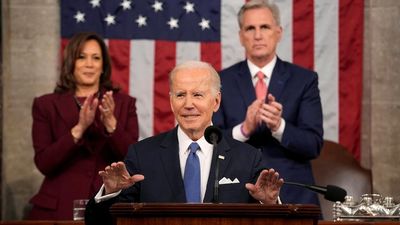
{"points": [[79, 104]]}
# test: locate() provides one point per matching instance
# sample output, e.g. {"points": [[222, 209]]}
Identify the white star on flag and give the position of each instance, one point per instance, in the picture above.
{"points": [[80, 17], [189, 7], [157, 6], [141, 21], [110, 19], [95, 3], [173, 23], [126, 4], [204, 24]]}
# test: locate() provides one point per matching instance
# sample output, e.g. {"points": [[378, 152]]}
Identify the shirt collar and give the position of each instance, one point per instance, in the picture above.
{"points": [[184, 142], [267, 69]]}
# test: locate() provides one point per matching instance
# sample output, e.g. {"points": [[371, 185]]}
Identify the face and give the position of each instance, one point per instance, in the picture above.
{"points": [[89, 65], [192, 100], [259, 35]]}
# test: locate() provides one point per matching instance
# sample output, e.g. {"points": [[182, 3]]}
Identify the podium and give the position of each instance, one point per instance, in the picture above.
{"points": [[214, 214]]}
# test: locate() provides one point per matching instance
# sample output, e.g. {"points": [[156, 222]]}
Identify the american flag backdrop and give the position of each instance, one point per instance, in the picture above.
{"points": [[147, 38]]}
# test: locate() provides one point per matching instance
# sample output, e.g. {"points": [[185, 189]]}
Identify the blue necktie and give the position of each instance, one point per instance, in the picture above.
{"points": [[192, 175]]}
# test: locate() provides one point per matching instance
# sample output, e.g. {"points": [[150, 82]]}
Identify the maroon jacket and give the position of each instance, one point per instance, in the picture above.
{"points": [[71, 170]]}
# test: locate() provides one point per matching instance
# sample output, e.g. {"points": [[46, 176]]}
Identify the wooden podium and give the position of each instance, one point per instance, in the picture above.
{"points": [[214, 214]]}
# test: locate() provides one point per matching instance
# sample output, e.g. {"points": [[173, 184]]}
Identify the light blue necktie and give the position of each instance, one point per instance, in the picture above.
{"points": [[192, 175]]}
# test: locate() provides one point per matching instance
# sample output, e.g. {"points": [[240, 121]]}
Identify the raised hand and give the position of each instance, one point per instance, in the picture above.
{"points": [[251, 121], [271, 113], [267, 187], [86, 117], [116, 177], [106, 108]]}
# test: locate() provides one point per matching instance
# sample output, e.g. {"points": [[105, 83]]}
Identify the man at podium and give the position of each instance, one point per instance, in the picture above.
{"points": [[180, 165]]}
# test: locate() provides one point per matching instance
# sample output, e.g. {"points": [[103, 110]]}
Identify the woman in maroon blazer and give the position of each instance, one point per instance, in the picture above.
{"points": [[79, 129]]}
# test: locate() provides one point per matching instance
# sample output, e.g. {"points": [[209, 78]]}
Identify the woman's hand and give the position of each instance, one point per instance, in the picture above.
{"points": [[106, 108], [86, 117]]}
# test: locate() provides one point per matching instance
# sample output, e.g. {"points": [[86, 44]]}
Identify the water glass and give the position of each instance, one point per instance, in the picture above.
{"points": [[79, 206]]}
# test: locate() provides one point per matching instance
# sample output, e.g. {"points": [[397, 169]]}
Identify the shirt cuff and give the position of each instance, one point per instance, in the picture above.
{"points": [[278, 201], [238, 134], [100, 197], [279, 133]]}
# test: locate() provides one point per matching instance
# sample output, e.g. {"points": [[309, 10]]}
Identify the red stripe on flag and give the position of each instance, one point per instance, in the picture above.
{"points": [[211, 53], [120, 53], [351, 15], [165, 60], [303, 33], [64, 43]]}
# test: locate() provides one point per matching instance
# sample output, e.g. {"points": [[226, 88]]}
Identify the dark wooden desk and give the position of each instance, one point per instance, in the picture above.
{"points": [[46, 222], [358, 223], [42, 222], [214, 214]]}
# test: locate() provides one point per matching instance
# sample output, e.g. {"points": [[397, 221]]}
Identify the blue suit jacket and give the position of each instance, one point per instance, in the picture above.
{"points": [[157, 158], [297, 90]]}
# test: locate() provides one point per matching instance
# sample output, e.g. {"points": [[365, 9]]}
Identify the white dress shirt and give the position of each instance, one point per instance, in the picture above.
{"points": [[205, 158], [204, 154], [267, 71]]}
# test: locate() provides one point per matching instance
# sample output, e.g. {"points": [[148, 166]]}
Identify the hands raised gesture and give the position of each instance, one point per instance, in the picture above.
{"points": [[267, 187], [116, 177]]}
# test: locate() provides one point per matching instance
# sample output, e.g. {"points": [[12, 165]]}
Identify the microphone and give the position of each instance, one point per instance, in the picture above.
{"points": [[213, 135], [331, 192]]}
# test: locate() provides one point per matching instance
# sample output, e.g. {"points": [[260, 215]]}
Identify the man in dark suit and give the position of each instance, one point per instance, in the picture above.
{"points": [[156, 169], [272, 104]]}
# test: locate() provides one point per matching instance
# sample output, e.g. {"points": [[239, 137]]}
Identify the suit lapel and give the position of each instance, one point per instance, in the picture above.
{"points": [[244, 83], [169, 154], [118, 105], [67, 108], [278, 80], [223, 150], [275, 87]]}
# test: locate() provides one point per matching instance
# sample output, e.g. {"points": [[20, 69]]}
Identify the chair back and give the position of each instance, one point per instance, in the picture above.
{"points": [[336, 166]]}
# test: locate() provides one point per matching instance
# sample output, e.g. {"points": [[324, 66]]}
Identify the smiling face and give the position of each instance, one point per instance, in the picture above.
{"points": [[259, 35], [89, 66], [193, 100]]}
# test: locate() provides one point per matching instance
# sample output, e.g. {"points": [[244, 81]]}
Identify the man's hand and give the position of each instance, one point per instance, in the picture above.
{"points": [[267, 187], [251, 121], [116, 177], [271, 113]]}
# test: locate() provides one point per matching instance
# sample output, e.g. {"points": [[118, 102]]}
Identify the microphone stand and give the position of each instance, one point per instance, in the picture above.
{"points": [[216, 180], [331, 192], [213, 135], [319, 189]]}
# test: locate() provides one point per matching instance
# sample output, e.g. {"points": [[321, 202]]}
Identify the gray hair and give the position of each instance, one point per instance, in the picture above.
{"points": [[257, 4], [215, 80]]}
